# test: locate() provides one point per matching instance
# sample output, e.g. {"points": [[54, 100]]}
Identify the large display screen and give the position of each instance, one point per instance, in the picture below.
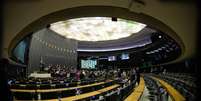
{"points": [[112, 58], [124, 56], [88, 64]]}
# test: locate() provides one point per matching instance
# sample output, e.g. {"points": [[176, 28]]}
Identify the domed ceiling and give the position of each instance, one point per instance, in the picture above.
{"points": [[97, 28], [101, 34]]}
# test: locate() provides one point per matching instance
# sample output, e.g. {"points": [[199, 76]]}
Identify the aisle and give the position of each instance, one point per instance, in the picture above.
{"points": [[145, 95]]}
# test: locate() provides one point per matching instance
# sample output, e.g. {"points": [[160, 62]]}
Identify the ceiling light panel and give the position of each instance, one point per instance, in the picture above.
{"points": [[96, 28]]}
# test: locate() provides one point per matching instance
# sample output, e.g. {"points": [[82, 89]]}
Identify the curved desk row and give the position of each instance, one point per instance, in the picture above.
{"points": [[138, 91], [171, 90], [192, 84], [49, 85], [83, 96], [43, 94], [58, 89], [86, 95]]}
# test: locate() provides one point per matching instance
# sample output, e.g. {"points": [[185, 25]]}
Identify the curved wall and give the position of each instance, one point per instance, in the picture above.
{"points": [[47, 48]]}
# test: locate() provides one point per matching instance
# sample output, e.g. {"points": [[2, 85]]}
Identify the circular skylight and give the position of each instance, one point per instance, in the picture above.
{"points": [[96, 28]]}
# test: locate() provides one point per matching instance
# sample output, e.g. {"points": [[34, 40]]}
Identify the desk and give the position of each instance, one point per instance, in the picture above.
{"points": [[85, 95], [40, 75], [59, 89]]}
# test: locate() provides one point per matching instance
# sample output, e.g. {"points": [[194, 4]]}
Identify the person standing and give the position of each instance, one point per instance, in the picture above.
{"points": [[78, 75], [133, 74], [138, 75]]}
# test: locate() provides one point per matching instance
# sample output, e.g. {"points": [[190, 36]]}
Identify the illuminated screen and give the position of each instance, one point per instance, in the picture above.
{"points": [[88, 64], [111, 58], [124, 56]]}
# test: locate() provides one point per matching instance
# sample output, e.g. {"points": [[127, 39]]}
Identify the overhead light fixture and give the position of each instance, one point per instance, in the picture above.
{"points": [[167, 50], [96, 28], [159, 48], [163, 47], [147, 52], [114, 18]]}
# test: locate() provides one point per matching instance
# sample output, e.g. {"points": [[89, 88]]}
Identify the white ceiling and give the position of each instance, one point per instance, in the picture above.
{"points": [[96, 28]]}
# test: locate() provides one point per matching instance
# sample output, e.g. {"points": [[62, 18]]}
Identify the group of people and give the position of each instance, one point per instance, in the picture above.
{"points": [[64, 73], [58, 71]]}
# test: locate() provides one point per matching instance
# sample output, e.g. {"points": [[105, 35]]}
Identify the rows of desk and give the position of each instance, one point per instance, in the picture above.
{"points": [[87, 95], [46, 94], [171, 90], [138, 91], [62, 94], [58, 89], [50, 84]]}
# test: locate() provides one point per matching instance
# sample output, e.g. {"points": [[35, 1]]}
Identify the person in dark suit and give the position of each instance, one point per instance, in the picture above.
{"points": [[42, 64], [138, 75], [133, 74]]}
